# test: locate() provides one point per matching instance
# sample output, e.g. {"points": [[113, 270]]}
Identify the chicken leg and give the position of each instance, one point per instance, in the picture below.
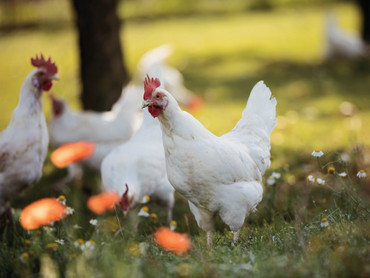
{"points": [[209, 239], [236, 236]]}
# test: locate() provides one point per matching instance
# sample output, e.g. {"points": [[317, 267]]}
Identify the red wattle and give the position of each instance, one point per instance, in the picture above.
{"points": [[47, 85], [154, 111]]}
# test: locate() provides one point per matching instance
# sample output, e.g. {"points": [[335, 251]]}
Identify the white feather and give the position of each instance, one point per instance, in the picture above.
{"points": [[340, 43], [219, 175], [23, 145], [140, 164]]}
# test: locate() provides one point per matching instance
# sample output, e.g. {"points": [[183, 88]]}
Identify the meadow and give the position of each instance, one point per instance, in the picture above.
{"points": [[304, 227]]}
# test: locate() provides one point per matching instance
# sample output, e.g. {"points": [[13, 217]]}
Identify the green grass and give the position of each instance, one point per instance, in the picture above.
{"points": [[221, 56]]}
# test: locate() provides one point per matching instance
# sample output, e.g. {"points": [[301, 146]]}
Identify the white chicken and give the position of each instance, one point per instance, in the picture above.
{"points": [[110, 129], [116, 125], [24, 143], [339, 43], [218, 175], [128, 171]]}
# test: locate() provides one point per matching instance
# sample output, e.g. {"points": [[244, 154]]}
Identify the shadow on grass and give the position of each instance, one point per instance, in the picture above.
{"points": [[290, 81]]}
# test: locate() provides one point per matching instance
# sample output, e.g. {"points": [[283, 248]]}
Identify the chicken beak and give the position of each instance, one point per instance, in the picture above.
{"points": [[146, 104], [54, 77]]}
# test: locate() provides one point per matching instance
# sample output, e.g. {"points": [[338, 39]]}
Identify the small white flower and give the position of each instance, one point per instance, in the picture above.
{"points": [[275, 175], [173, 225], [324, 222], [62, 199], [320, 181], [93, 222], [90, 244], [80, 243], [60, 241], [143, 246], [48, 229], [286, 167], [311, 179], [317, 153], [270, 181], [144, 212], [361, 174], [70, 211], [146, 199], [343, 174], [24, 257]]}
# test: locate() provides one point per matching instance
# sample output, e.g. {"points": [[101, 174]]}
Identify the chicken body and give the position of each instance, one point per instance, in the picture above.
{"points": [[24, 143], [110, 129], [341, 44], [129, 165], [116, 125], [218, 175]]}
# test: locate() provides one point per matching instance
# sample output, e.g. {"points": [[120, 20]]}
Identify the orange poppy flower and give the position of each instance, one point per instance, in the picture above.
{"points": [[41, 213], [102, 202], [70, 153], [172, 241]]}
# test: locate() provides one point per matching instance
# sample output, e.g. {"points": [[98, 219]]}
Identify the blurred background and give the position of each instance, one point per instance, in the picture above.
{"points": [[313, 55], [221, 47]]}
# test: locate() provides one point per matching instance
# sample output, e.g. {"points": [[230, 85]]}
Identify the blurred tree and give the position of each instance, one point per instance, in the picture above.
{"points": [[102, 72], [365, 11]]}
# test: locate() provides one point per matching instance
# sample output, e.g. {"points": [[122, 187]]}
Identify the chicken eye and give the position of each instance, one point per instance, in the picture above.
{"points": [[157, 96]]}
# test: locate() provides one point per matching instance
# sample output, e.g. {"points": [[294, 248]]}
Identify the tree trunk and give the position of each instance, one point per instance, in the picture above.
{"points": [[102, 71], [365, 12]]}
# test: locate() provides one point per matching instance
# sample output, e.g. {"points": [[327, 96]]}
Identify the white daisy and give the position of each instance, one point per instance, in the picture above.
{"points": [[146, 199], [324, 222], [311, 179], [143, 246], [320, 181], [62, 199], [275, 175], [48, 229], [343, 174], [80, 243], [144, 212], [69, 210], [90, 244], [93, 222], [173, 225], [317, 153], [60, 241], [270, 180], [286, 167], [361, 174], [24, 257]]}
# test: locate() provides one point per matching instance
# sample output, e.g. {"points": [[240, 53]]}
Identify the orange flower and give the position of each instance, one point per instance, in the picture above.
{"points": [[73, 152], [102, 202], [41, 213], [172, 241]]}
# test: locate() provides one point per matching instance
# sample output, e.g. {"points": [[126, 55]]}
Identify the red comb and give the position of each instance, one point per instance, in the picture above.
{"points": [[123, 203], [150, 84], [47, 64]]}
